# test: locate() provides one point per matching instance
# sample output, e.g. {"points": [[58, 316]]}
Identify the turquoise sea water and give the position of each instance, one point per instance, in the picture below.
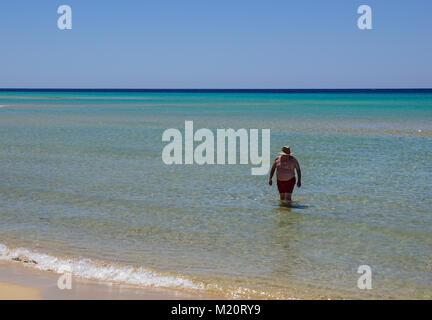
{"points": [[83, 182]]}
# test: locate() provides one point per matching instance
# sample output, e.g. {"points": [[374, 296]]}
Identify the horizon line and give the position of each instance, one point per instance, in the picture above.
{"points": [[239, 90]]}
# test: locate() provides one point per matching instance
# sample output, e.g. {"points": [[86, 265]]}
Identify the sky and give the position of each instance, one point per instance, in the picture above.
{"points": [[216, 44]]}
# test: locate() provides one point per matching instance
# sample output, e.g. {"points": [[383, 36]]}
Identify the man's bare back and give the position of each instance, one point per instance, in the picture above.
{"points": [[284, 165]]}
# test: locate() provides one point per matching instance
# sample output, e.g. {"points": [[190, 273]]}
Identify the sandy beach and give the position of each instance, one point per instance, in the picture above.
{"points": [[20, 283], [10, 291]]}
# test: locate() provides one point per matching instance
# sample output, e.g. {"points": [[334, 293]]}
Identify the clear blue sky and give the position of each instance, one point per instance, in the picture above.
{"points": [[216, 44]]}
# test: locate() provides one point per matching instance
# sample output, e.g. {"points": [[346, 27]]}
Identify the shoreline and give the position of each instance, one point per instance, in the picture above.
{"points": [[92, 279], [18, 282]]}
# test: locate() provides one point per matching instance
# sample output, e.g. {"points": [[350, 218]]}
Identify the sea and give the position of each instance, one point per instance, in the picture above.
{"points": [[83, 186]]}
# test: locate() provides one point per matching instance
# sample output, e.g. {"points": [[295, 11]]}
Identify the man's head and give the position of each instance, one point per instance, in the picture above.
{"points": [[286, 151]]}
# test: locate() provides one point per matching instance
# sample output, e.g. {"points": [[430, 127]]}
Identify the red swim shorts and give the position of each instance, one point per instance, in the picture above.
{"points": [[286, 186]]}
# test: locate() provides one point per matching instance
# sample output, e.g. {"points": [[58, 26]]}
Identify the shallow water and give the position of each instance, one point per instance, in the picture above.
{"points": [[82, 177]]}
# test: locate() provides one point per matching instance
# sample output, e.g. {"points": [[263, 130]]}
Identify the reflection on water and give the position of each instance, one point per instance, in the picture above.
{"points": [[292, 205]]}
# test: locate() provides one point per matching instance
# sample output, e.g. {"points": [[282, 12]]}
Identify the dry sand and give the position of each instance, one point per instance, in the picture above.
{"points": [[10, 291]]}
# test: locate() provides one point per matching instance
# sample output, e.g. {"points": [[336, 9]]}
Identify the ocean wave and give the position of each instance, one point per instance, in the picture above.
{"points": [[89, 269], [93, 270]]}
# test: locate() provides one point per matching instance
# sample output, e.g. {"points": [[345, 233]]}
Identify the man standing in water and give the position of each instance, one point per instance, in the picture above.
{"points": [[285, 165]]}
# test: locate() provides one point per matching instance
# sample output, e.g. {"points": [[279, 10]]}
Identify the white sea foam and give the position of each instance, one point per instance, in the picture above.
{"points": [[89, 269]]}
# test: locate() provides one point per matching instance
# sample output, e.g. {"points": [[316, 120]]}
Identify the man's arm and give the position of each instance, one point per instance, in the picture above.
{"points": [[272, 171], [298, 174]]}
